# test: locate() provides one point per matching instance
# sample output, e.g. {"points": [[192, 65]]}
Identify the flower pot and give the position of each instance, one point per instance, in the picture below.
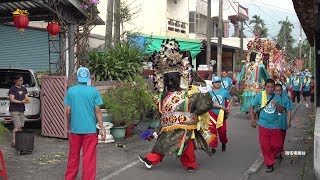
{"points": [[155, 123], [118, 133], [129, 131]]}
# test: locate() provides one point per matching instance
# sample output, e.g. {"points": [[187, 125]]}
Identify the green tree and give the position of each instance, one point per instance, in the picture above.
{"points": [[284, 37], [305, 54], [259, 26]]}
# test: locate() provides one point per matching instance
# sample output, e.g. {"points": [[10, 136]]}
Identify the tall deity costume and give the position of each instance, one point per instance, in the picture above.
{"points": [[180, 107], [253, 73]]}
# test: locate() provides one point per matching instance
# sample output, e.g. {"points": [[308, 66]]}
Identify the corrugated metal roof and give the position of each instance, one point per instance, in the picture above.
{"points": [[43, 10]]}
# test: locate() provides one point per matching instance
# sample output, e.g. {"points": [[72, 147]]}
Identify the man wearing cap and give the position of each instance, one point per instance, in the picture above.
{"points": [[218, 114], [296, 87], [83, 111], [306, 88]]}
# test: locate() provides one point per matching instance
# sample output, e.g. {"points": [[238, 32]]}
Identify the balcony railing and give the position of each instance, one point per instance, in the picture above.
{"points": [[177, 26]]}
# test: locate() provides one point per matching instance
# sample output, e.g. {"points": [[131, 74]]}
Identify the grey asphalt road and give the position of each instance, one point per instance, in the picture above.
{"points": [[242, 150]]}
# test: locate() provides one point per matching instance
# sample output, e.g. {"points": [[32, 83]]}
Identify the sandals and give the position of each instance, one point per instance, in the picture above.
{"points": [[13, 145]]}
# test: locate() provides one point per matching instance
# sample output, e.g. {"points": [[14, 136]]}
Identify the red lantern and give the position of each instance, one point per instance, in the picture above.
{"points": [[53, 28], [21, 21]]}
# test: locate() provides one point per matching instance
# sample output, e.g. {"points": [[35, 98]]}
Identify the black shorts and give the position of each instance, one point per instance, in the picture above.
{"points": [[306, 93]]}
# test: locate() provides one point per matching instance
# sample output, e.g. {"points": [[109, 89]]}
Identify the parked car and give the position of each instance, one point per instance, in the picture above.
{"points": [[7, 76]]}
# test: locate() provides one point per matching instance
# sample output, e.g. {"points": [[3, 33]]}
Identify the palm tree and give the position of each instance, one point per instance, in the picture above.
{"points": [[259, 26], [284, 38]]}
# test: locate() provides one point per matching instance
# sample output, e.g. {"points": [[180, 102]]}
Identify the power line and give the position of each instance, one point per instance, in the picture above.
{"points": [[285, 10], [263, 11]]}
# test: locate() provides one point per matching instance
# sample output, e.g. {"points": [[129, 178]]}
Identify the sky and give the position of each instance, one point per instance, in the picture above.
{"points": [[273, 11]]}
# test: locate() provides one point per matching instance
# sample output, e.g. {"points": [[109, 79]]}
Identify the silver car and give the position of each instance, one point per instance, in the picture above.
{"points": [[7, 76]]}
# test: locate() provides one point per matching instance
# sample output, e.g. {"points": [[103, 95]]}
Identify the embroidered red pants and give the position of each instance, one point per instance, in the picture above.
{"points": [[221, 130], [88, 142], [270, 144], [187, 158]]}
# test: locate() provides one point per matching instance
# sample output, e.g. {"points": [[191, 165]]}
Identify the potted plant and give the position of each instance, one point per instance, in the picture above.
{"points": [[105, 110], [154, 120], [129, 103]]}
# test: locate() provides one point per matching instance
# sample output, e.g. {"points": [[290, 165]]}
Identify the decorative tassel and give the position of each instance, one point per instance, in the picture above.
{"points": [[181, 144], [193, 135]]}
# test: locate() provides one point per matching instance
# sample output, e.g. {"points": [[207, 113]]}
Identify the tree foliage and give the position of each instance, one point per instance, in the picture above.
{"points": [[259, 26], [284, 37]]}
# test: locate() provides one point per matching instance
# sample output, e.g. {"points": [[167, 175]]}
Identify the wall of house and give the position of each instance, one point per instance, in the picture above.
{"points": [[28, 50]]}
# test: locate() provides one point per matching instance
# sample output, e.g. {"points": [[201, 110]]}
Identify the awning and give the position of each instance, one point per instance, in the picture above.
{"points": [[151, 43]]}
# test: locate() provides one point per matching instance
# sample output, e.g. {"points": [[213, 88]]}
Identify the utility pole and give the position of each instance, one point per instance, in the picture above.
{"points": [[300, 42], [241, 41], [219, 55], [109, 21], [208, 59]]}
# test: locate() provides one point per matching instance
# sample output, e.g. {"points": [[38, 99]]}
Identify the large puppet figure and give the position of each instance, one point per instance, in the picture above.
{"points": [[179, 135], [253, 73]]}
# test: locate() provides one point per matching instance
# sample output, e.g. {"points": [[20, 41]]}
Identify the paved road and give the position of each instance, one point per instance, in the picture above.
{"points": [[242, 151]]}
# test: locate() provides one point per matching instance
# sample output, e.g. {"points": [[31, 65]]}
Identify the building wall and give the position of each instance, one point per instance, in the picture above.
{"points": [[28, 50]]}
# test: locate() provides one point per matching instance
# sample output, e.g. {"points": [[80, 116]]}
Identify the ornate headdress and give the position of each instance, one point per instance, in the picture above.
{"points": [[167, 60], [255, 46]]}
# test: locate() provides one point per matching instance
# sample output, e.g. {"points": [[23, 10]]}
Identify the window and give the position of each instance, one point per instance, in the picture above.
{"points": [[7, 78]]}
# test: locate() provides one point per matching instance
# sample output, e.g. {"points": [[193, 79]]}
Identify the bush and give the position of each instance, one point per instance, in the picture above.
{"points": [[129, 102], [121, 63]]}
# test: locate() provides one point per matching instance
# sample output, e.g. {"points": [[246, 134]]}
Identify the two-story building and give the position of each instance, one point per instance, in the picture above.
{"points": [[184, 20]]}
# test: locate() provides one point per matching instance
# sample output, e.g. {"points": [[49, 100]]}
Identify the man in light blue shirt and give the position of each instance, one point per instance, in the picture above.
{"points": [[306, 89], [270, 139], [284, 118], [226, 82], [83, 111]]}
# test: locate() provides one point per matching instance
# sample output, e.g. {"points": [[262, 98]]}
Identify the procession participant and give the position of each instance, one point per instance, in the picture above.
{"points": [[253, 74], [83, 111], [178, 136], [218, 114], [296, 87], [284, 118], [226, 82], [306, 89], [269, 106]]}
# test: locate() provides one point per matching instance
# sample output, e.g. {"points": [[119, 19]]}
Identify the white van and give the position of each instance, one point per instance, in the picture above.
{"points": [[7, 76]]}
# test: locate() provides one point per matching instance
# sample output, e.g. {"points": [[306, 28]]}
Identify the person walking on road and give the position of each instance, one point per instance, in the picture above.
{"points": [[218, 114], [270, 139], [306, 89], [284, 118], [18, 96], [296, 87], [83, 112]]}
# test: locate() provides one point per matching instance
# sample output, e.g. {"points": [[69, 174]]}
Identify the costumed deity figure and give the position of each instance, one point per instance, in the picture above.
{"points": [[179, 106], [253, 73]]}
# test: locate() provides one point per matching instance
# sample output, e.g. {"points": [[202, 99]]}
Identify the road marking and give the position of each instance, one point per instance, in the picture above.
{"points": [[116, 173], [121, 170]]}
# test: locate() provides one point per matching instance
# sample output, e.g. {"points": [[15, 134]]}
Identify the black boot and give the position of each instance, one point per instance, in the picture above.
{"points": [[224, 147], [213, 151]]}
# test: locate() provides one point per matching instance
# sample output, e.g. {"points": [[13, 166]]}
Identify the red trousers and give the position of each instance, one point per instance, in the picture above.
{"points": [[283, 135], [187, 158], [221, 130], [270, 143], [88, 142]]}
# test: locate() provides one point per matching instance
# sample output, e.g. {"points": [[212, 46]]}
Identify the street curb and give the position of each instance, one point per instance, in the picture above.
{"points": [[254, 168]]}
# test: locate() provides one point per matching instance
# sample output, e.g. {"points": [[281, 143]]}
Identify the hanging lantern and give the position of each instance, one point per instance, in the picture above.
{"points": [[20, 19], [53, 29]]}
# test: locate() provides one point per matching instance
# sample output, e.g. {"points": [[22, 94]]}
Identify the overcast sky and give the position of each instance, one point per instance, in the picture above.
{"points": [[272, 11]]}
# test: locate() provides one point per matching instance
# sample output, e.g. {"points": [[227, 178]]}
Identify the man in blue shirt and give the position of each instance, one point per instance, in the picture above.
{"points": [[270, 139], [226, 82], [83, 111], [219, 97], [306, 89], [284, 118], [296, 87]]}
